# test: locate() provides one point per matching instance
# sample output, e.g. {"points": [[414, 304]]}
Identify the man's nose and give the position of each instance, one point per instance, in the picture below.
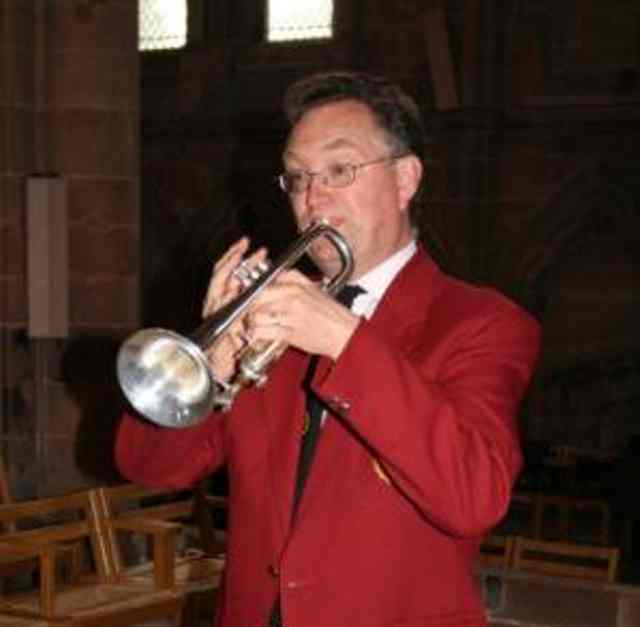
{"points": [[317, 189]]}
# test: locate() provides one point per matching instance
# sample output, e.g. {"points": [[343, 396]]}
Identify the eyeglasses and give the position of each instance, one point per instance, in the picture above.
{"points": [[334, 175]]}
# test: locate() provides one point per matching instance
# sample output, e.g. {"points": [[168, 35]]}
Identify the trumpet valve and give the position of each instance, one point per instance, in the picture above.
{"points": [[247, 275]]}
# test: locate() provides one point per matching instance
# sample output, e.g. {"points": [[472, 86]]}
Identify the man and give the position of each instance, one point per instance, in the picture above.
{"points": [[418, 448]]}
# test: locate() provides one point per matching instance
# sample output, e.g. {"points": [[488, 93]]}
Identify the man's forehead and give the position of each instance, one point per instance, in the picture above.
{"points": [[343, 134], [343, 114], [338, 144]]}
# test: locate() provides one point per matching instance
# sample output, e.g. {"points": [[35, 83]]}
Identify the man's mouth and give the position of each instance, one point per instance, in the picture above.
{"points": [[334, 222]]}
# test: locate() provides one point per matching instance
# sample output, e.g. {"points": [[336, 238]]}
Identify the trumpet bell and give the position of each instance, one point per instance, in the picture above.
{"points": [[166, 377]]}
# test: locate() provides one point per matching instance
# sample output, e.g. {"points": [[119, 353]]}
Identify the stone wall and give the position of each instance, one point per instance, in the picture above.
{"points": [[69, 111]]}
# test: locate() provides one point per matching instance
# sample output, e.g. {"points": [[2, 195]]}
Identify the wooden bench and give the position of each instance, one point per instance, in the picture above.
{"points": [[99, 595]]}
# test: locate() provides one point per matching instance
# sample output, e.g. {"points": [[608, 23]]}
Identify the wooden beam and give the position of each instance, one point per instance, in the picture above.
{"points": [[440, 58]]}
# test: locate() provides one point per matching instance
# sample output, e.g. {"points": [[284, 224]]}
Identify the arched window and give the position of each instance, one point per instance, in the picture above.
{"points": [[162, 24], [299, 20]]}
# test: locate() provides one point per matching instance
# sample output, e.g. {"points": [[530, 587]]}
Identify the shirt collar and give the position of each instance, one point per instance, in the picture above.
{"points": [[378, 279]]}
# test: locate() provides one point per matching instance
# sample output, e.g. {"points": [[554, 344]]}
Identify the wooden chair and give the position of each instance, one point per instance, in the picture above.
{"points": [[197, 564], [5, 491], [520, 519], [16, 566], [496, 551], [98, 596], [11, 566], [575, 517], [564, 559]]}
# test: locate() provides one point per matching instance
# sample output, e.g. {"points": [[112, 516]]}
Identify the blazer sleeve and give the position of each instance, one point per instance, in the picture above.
{"points": [[439, 414], [169, 458]]}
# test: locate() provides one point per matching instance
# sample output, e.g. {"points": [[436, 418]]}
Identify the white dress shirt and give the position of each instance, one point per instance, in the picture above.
{"points": [[376, 281]]}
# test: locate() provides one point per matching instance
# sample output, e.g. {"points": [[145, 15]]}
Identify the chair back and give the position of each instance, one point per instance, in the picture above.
{"points": [[39, 530], [565, 559], [124, 507], [560, 517], [197, 559], [496, 551], [43, 530], [5, 494]]}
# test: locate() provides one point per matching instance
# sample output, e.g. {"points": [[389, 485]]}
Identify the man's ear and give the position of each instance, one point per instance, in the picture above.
{"points": [[410, 172]]}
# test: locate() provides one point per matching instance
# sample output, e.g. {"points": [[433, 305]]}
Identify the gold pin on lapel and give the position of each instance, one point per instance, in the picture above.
{"points": [[380, 471]]}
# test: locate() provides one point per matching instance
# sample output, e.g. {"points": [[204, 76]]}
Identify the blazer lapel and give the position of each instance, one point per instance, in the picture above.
{"points": [[283, 421], [405, 305]]}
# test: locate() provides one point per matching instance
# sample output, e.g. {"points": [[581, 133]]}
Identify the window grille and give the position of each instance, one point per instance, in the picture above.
{"points": [[299, 20], [162, 24]]}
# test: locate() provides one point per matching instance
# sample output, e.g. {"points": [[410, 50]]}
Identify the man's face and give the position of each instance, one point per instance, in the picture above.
{"points": [[371, 213]]}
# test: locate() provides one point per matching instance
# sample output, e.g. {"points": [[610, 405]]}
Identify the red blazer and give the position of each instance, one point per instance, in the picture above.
{"points": [[416, 463]]}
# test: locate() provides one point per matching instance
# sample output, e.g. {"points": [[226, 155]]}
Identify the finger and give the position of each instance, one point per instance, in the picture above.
{"points": [[296, 277], [266, 331], [251, 268], [238, 336], [219, 282], [234, 276], [224, 352], [239, 247], [265, 317], [287, 295], [227, 281]]}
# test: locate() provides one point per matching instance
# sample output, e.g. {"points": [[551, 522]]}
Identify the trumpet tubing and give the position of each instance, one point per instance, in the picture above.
{"points": [[167, 377]]}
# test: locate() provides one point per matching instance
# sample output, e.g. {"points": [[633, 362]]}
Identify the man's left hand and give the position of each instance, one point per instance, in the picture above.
{"points": [[299, 312]]}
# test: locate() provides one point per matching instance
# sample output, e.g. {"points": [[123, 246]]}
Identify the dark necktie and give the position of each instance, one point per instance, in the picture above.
{"points": [[315, 407], [312, 427]]}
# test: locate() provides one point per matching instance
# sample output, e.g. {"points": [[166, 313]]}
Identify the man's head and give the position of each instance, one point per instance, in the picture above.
{"points": [[354, 158]]}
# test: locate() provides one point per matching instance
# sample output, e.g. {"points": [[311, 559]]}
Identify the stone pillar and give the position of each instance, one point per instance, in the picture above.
{"points": [[68, 109]]}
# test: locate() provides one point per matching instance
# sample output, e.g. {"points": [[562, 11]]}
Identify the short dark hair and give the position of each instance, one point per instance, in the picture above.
{"points": [[395, 111]]}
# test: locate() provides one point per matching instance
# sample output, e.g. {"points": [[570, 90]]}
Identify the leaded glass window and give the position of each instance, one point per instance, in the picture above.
{"points": [[289, 20], [162, 24]]}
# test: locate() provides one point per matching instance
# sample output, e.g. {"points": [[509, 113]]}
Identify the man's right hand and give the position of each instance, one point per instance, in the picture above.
{"points": [[224, 286]]}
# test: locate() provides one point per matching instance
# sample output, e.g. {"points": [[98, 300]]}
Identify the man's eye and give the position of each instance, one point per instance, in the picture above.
{"points": [[294, 178], [338, 170]]}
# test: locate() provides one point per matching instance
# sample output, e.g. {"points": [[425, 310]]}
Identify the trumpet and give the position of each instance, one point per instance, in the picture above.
{"points": [[167, 376]]}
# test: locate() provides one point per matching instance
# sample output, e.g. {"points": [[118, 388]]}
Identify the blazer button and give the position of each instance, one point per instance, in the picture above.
{"points": [[274, 571], [341, 405]]}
